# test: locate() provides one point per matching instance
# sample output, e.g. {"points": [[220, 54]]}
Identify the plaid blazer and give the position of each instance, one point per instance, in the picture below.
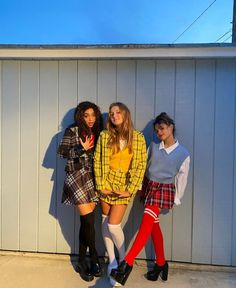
{"points": [[138, 164]]}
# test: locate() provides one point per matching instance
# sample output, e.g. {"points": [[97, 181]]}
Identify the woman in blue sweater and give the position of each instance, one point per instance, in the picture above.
{"points": [[163, 186]]}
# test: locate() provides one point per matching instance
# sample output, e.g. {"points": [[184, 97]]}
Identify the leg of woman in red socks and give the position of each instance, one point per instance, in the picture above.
{"points": [[150, 214], [161, 266]]}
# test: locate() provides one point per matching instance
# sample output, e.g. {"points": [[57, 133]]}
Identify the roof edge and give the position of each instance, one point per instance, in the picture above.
{"points": [[117, 51]]}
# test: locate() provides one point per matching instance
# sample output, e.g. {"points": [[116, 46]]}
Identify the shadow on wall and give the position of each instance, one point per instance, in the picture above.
{"points": [[64, 215]]}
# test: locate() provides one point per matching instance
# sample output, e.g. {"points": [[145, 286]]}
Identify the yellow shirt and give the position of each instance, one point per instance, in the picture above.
{"points": [[121, 161]]}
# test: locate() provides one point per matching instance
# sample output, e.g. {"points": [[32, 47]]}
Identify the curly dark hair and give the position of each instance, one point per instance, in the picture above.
{"points": [[79, 119], [163, 117]]}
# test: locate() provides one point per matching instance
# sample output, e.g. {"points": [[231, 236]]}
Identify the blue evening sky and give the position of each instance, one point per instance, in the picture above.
{"points": [[115, 21]]}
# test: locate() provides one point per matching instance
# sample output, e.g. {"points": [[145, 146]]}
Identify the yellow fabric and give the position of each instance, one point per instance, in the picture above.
{"points": [[121, 161]]}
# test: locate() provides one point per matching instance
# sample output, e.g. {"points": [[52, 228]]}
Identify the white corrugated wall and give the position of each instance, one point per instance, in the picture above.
{"points": [[37, 101]]}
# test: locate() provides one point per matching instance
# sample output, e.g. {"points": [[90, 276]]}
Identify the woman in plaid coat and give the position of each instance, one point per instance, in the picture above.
{"points": [[164, 184], [119, 166], [77, 146]]}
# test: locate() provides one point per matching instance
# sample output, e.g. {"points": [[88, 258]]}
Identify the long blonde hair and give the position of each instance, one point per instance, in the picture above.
{"points": [[123, 132]]}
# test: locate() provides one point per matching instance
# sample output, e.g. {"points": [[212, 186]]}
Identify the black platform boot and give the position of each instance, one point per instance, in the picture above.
{"points": [[121, 273], [84, 271], [158, 270]]}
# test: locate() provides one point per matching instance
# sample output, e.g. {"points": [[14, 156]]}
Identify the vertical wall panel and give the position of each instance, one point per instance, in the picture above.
{"points": [[145, 95], [106, 84], [87, 81], [165, 87], [223, 164], [29, 140], [165, 102], [203, 170], [67, 101], [126, 83], [10, 154], [47, 156], [184, 118]]}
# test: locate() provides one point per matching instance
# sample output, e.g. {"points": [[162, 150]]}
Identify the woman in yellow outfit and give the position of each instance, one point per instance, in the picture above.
{"points": [[119, 166]]}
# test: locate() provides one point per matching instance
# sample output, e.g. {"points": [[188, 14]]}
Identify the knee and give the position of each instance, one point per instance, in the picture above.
{"points": [[114, 228]]}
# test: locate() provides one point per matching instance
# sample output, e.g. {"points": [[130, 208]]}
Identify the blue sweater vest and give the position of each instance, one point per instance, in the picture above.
{"points": [[163, 167]]}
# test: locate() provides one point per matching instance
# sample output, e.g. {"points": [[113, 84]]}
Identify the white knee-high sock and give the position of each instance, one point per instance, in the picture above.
{"points": [[108, 241], [118, 238]]}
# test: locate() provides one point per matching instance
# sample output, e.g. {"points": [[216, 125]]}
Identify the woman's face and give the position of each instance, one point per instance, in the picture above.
{"points": [[89, 117], [116, 116], [164, 132]]}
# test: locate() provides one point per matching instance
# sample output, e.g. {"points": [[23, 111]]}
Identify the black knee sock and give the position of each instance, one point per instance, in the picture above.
{"points": [[82, 240], [89, 232]]}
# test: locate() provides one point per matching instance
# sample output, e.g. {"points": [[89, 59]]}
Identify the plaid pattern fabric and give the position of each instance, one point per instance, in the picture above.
{"points": [[158, 194], [79, 188], [131, 180], [116, 180]]}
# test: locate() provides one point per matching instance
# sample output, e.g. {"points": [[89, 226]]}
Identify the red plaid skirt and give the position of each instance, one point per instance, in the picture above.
{"points": [[158, 194]]}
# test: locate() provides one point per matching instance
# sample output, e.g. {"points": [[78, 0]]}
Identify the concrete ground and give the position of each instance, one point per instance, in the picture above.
{"points": [[36, 270]]}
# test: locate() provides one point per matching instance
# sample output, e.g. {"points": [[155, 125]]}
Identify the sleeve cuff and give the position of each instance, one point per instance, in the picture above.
{"points": [[177, 201]]}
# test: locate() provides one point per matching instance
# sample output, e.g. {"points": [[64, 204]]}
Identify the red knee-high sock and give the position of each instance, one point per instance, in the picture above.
{"points": [[145, 229], [157, 239]]}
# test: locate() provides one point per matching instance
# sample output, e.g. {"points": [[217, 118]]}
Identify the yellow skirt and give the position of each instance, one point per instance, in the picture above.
{"points": [[116, 181]]}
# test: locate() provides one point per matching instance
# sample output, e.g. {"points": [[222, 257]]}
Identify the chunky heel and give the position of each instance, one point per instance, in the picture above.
{"points": [[157, 271], [121, 273], [164, 272]]}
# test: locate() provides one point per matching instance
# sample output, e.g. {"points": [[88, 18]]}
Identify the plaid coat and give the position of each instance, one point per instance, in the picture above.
{"points": [[138, 164], [79, 180]]}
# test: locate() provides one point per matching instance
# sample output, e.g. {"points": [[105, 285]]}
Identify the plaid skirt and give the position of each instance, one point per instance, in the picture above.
{"points": [[158, 194], [116, 181], [79, 188]]}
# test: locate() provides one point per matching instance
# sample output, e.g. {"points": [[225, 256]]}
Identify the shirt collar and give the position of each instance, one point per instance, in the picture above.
{"points": [[169, 149]]}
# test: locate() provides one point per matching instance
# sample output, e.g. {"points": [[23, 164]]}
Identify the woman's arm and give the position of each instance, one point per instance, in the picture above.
{"points": [[138, 165], [68, 147], [181, 180]]}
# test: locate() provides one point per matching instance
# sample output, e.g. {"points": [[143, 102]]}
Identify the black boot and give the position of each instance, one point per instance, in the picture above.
{"points": [[121, 273], [158, 270], [84, 271], [96, 269]]}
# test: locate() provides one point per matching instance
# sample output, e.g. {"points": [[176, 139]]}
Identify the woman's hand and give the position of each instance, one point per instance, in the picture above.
{"points": [[141, 196], [122, 194], [106, 192], [87, 144]]}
